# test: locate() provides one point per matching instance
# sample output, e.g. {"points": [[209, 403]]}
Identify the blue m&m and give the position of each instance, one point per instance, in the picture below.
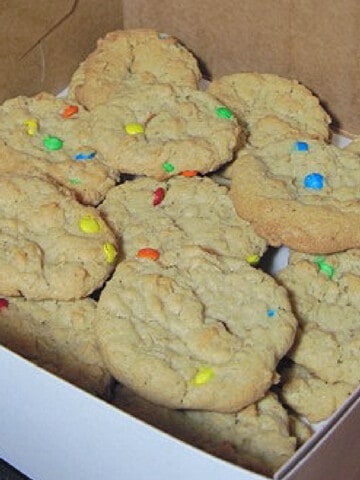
{"points": [[314, 181], [85, 156], [301, 146]]}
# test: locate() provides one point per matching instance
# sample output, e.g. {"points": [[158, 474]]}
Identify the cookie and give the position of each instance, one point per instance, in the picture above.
{"points": [[256, 437], [310, 396], [325, 293], [192, 330], [49, 136], [266, 102], [264, 134], [301, 194], [163, 130], [57, 336], [267, 132], [179, 212], [125, 54], [51, 246], [299, 429]]}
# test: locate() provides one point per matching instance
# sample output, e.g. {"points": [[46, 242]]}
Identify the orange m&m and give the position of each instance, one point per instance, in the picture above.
{"points": [[70, 111], [189, 173], [149, 253]]}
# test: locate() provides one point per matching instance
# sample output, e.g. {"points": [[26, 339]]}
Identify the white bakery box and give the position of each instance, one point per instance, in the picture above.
{"points": [[50, 429]]}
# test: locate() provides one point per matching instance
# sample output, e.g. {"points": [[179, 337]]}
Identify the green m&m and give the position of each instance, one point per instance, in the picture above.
{"points": [[224, 112], [53, 143]]}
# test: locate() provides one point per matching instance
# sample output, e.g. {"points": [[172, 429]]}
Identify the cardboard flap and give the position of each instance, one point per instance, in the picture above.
{"points": [[16, 16], [42, 43]]}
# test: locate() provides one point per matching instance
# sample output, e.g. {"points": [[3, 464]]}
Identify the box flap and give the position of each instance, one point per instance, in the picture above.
{"points": [[43, 42], [43, 17]]}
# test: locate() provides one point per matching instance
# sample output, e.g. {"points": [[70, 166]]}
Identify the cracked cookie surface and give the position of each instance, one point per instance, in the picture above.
{"points": [[51, 246], [37, 137], [162, 130], [325, 293], [123, 55], [270, 107], [57, 336], [309, 395], [301, 194], [191, 211], [194, 331]]}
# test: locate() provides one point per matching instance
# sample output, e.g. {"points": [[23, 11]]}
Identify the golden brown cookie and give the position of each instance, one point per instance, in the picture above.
{"points": [[162, 130], [325, 294], [300, 429], [51, 246], [178, 212], [122, 55], [48, 136], [192, 330], [301, 194], [57, 336], [270, 107], [309, 395]]}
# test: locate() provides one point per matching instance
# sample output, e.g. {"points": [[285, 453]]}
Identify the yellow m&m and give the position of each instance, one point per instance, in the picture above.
{"points": [[32, 126], [253, 259], [110, 252], [134, 128], [202, 376], [89, 224]]}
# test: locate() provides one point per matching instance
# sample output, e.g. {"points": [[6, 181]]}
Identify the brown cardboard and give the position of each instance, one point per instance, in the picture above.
{"points": [[41, 43], [316, 42], [340, 446]]}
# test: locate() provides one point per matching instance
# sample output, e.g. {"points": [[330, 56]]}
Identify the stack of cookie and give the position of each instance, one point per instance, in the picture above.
{"points": [[298, 190], [126, 264]]}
